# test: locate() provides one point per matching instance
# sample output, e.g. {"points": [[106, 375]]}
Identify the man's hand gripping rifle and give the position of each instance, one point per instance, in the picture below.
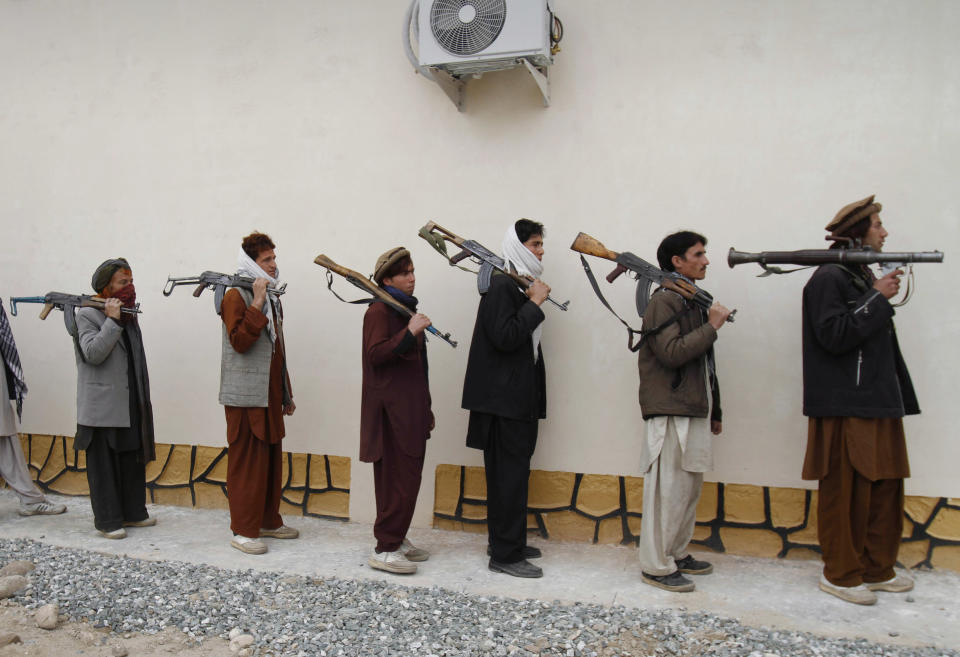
{"points": [[218, 283], [68, 303], [379, 294], [437, 236], [645, 274]]}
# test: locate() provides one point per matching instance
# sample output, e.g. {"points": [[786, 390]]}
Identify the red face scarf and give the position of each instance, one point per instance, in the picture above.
{"points": [[128, 297]]}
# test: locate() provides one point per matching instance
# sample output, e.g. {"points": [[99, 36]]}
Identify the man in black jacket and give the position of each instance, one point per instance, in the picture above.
{"points": [[505, 392], [856, 390]]}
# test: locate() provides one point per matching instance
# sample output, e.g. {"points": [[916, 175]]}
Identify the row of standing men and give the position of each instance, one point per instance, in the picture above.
{"points": [[856, 446]]}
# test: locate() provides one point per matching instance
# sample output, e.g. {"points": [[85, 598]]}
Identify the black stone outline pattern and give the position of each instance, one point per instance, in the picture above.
{"points": [[713, 540], [70, 465]]}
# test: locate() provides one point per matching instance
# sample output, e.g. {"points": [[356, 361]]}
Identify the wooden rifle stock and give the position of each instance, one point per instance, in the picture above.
{"points": [[365, 284], [592, 246]]}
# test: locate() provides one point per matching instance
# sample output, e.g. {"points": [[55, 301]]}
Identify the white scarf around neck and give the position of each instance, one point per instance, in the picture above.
{"points": [[247, 266], [518, 256]]}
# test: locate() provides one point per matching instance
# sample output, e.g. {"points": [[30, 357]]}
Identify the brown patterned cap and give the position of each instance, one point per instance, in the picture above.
{"points": [[386, 260], [851, 214]]}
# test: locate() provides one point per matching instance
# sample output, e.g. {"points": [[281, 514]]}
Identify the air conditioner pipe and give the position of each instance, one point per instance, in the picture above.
{"points": [[413, 13]]}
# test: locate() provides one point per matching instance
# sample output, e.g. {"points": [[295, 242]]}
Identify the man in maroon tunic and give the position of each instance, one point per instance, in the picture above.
{"points": [[395, 415], [255, 392]]}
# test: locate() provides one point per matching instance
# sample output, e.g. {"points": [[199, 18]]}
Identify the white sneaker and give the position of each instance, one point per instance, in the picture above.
{"points": [[248, 545], [41, 509], [896, 584], [858, 594], [115, 534], [412, 553], [391, 562]]}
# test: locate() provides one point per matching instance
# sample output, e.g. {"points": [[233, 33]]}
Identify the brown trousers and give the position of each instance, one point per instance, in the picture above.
{"points": [[396, 484], [254, 482], [859, 522]]}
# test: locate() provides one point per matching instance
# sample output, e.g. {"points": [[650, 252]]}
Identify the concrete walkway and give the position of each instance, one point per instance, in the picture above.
{"points": [[771, 593]]}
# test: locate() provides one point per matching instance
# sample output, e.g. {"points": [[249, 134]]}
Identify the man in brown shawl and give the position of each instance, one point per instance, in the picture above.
{"points": [[255, 392], [114, 414], [856, 390]]}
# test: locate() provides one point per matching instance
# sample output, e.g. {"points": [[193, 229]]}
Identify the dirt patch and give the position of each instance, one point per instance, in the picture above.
{"points": [[82, 638]]}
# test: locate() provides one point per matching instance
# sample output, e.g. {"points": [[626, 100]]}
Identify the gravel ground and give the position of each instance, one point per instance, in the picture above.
{"points": [[296, 615]]}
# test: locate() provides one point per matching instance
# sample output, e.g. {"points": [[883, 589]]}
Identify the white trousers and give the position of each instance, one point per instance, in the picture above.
{"points": [[13, 469], [670, 496]]}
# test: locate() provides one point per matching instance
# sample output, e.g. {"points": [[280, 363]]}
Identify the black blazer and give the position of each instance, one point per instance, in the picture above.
{"points": [[502, 378], [852, 365]]}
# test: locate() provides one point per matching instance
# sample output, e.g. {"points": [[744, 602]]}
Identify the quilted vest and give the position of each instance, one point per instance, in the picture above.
{"points": [[245, 378]]}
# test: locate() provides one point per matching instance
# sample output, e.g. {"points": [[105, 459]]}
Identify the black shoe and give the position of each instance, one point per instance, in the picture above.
{"points": [[691, 566], [528, 552], [518, 569], [672, 582]]}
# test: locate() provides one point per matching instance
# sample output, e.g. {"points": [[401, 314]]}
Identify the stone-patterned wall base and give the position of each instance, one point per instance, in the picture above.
{"points": [[315, 485], [736, 518]]}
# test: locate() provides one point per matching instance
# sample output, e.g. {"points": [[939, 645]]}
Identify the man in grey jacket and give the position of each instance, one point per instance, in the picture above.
{"points": [[114, 414], [680, 401]]}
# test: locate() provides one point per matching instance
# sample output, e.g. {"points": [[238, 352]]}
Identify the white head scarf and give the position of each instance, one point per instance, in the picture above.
{"points": [[518, 256], [246, 266]]}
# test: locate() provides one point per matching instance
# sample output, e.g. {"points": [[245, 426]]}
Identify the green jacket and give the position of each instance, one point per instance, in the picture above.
{"points": [[673, 360]]}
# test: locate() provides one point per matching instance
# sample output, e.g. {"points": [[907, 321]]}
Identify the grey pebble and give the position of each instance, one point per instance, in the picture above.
{"points": [[299, 616]]}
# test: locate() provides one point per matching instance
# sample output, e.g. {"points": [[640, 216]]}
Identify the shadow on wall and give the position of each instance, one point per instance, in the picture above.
{"points": [[735, 518], [316, 485]]}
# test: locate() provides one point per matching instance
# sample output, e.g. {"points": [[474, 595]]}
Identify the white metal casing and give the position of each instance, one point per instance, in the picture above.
{"points": [[525, 34]]}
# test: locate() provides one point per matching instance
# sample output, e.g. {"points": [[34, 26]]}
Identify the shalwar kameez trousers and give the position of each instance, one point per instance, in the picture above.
{"points": [[506, 459], [396, 480], [861, 464]]}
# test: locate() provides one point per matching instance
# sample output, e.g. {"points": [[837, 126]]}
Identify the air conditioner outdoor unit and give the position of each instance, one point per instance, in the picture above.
{"points": [[457, 39], [466, 37]]}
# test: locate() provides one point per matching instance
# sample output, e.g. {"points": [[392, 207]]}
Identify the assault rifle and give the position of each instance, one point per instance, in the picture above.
{"points": [[379, 294], [645, 273], [437, 236], [68, 303], [218, 283]]}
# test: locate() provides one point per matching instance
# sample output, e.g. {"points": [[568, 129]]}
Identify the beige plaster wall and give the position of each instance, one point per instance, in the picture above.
{"points": [[163, 131]]}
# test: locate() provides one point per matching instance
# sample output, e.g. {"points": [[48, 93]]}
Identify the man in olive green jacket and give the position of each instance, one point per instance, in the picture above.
{"points": [[680, 402]]}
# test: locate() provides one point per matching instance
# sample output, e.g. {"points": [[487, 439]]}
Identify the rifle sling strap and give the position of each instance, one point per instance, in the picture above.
{"points": [[596, 289], [367, 301], [630, 330]]}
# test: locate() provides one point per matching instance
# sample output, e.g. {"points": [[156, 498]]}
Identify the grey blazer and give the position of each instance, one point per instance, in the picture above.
{"points": [[103, 394]]}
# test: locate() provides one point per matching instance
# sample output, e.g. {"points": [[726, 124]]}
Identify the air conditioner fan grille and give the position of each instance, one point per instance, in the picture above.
{"points": [[465, 27]]}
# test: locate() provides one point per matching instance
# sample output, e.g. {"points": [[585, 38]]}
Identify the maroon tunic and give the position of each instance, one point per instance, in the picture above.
{"points": [[395, 388]]}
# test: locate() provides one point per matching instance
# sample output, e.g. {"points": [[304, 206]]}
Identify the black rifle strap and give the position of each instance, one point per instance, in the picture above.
{"points": [[630, 330], [403, 310], [596, 288], [365, 302]]}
